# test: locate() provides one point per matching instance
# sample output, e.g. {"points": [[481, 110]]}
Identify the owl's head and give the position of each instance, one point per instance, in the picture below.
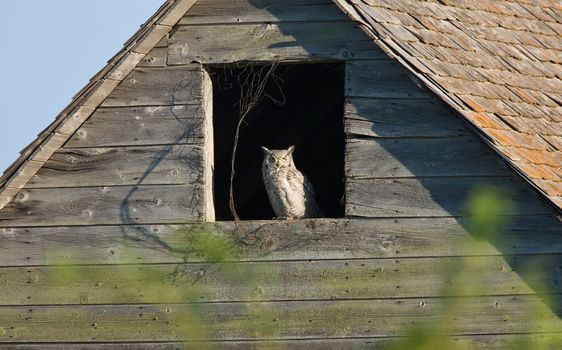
{"points": [[278, 158]]}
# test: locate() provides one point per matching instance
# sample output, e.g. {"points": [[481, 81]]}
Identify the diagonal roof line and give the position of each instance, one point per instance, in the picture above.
{"points": [[156, 28], [90, 97], [377, 32]]}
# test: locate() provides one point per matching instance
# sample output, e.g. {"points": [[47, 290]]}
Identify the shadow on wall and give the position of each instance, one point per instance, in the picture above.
{"points": [[126, 214], [413, 158]]}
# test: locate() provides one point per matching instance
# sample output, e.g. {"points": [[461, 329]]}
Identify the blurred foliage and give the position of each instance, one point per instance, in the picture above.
{"points": [[209, 251], [487, 211]]}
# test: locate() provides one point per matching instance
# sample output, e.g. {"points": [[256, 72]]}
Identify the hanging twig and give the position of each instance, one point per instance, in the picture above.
{"points": [[252, 90]]}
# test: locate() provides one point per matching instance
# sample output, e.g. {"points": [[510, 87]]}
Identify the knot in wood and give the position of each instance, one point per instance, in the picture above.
{"points": [[22, 196]]}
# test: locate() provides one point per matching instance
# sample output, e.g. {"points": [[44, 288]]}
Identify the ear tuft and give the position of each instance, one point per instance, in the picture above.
{"points": [[265, 150], [291, 149]]}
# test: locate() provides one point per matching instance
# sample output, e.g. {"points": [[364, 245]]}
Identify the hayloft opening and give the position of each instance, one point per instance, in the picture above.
{"points": [[301, 105]]}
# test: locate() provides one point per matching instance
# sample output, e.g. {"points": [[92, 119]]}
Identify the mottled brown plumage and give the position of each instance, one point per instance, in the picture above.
{"points": [[290, 193]]}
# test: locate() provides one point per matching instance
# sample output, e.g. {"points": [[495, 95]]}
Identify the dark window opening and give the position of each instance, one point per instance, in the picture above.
{"points": [[303, 106]]}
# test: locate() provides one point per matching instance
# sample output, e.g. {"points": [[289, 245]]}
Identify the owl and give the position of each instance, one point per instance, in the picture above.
{"points": [[290, 193]]}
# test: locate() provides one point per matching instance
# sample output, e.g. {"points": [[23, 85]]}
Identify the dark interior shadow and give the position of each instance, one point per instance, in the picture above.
{"points": [[302, 106]]}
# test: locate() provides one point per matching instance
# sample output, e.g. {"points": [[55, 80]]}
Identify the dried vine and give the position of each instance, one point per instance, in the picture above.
{"points": [[253, 85]]}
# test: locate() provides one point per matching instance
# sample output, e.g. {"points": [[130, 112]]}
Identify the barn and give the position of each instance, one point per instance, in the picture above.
{"points": [[411, 118]]}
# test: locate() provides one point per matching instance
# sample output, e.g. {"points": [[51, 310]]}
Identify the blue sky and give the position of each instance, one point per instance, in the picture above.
{"points": [[50, 49]]}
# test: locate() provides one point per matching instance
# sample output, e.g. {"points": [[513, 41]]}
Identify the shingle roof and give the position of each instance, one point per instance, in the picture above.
{"points": [[498, 63]]}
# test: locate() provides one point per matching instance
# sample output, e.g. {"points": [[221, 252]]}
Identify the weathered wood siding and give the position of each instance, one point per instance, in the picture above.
{"points": [[341, 279], [138, 159], [408, 155], [110, 200]]}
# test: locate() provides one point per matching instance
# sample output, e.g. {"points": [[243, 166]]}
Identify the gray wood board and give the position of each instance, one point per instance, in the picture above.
{"points": [[423, 157], [401, 118], [104, 205], [126, 126], [254, 11], [157, 57], [279, 320], [277, 281], [141, 165], [267, 42], [466, 342], [274, 241], [383, 78], [158, 87], [434, 196]]}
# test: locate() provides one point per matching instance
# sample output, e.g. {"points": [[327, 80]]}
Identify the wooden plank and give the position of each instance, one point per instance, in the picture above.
{"points": [[23, 174], [384, 78], [127, 126], [270, 11], [158, 87], [157, 57], [6, 195], [208, 163], [277, 281], [150, 38], [147, 165], [464, 342], [98, 93], [176, 12], [267, 42], [279, 320], [278, 241], [401, 118], [124, 66], [74, 119], [423, 157], [101, 346], [433, 196], [103, 205]]}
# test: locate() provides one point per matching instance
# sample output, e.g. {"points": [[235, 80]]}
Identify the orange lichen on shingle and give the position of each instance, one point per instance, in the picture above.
{"points": [[538, 157], [472, 104], [550, 187], [517, 139], [487, 121]]}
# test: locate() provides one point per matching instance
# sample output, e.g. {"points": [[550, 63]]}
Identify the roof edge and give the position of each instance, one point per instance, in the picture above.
{"points": [[84, 104], [396, 52]]}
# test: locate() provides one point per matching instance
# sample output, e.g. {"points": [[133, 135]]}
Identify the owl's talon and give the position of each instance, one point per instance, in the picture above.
{"points": [[281, 218]]}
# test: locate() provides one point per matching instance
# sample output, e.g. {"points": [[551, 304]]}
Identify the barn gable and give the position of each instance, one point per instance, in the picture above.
{"points": [[106, 184]]}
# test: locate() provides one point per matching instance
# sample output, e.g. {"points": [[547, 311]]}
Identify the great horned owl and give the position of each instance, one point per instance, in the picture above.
{"points": [[290, 193]]}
